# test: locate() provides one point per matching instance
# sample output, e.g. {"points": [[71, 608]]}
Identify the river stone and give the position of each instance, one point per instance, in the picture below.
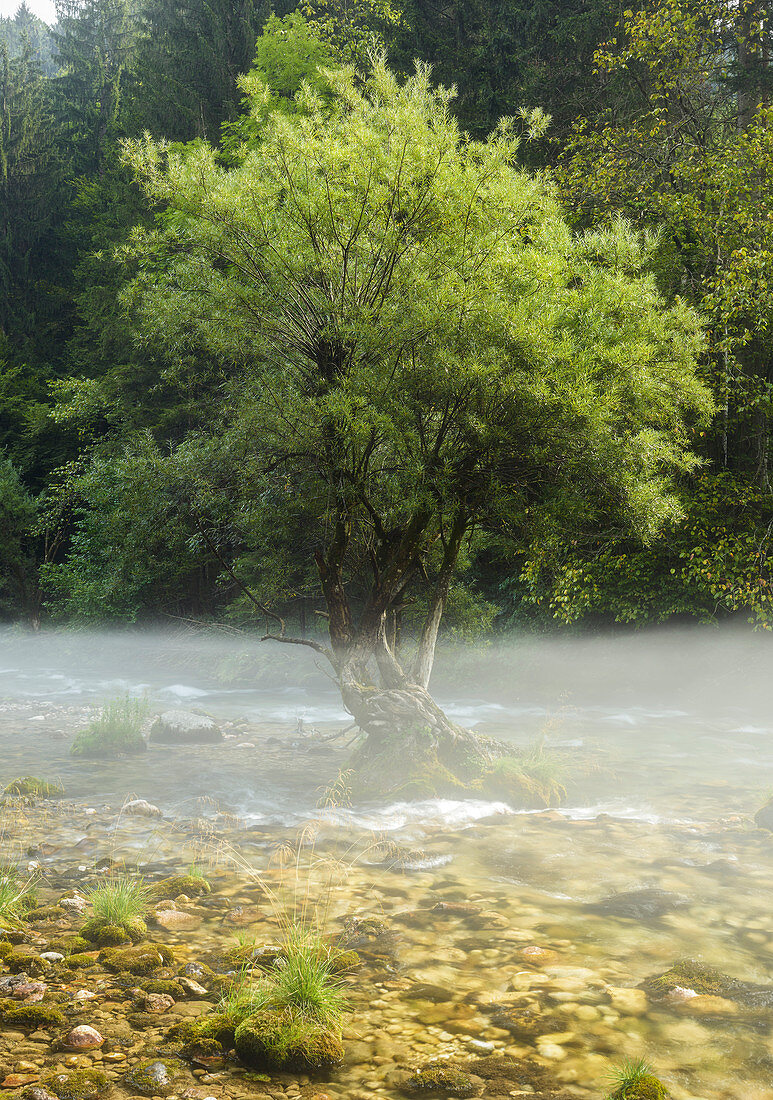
{"points": [[182, 727], [152, 1078], [174, 919], [82, 1037], [642, 905], [140, 807], [628, 1002]]}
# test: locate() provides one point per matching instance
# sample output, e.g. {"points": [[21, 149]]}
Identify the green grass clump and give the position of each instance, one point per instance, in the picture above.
{"points": [[118, 908], [31, 785], [634, 1080], [117, 729], [532, 779], [302, 983], [17, 897]]}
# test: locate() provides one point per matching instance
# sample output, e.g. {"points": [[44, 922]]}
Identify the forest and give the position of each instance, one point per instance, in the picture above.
{"points": [[352, 314]]}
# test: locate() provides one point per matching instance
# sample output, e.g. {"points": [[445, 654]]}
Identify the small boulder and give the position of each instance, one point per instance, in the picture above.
{"points": [[82, 1038], [140, 807], [176, 919], [152, 1078], [183, 727]]}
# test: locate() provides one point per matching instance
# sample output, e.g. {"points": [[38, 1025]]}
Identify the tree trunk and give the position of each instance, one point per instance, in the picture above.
{"points": [[412, 748]]}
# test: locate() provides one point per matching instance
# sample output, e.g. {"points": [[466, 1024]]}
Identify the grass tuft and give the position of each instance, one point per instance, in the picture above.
{"points": [[117, 728], [121, 901], [17, 897], [627, 1076]]}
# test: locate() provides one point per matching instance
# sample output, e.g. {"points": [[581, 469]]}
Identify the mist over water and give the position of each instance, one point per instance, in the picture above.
{"points": [[669, 725]]}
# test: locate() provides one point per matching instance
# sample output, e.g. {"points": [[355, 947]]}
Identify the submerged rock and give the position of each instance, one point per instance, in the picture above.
{"points": [[84, 1084], [443, 1079], [183, 727], [152, 1078], [643, 905], [764, 816]]}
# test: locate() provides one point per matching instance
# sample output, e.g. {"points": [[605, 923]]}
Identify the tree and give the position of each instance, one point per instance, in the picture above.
{"points": [[418, 346], [693, 156]]}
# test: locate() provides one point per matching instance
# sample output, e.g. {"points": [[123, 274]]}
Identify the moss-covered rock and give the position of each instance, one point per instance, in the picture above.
{"points": [[522, 786], [6, 948], [45, 912], [83, 1084], [22, 962], [441, 1078], [79, 961], [167, 986], [31, 1016], [69, 945], [193, 886], [344, 962], [286, 1041], [690, 974], [646, 1087], [154, 1077], [143, 960], [32, 786], [102, 933]]}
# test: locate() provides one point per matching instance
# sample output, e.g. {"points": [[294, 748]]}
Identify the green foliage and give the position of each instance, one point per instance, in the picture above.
{"points": [[116, 729], [32, 785], [17, 896], [119, 900], [406, 376], [634, 1080], [302, 983], [18, 514], [712, 564]]}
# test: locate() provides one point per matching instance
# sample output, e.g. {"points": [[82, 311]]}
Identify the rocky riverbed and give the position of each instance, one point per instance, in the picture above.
{"points": [[516, 951]]}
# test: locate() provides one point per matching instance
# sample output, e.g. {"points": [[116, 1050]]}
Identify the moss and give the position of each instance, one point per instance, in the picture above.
{"points": [[287, 1041], [45, 912], [83, 1084], [100, 932], [68, 945], [524, 788], [154, 1077], [202, 1050], [193, 886], [143, 960], [31, 1016], [689, 974], [645, 1088], [5, 948], [18, 962], [79, 961], [441, 1078], [221, 1026], [37, 788], [344, 962]]}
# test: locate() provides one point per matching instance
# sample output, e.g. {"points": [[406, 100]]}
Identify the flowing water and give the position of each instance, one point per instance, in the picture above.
{"points": [[654, 857]]}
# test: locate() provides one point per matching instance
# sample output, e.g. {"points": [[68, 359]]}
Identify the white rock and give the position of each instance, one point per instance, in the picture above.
{"points": [[140, 807]]}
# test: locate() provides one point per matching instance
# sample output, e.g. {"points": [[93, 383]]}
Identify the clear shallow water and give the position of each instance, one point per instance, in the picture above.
{"points": [[669, 739]]}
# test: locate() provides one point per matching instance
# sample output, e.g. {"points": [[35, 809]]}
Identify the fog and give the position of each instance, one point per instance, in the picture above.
{"points": [[661, 724]]}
